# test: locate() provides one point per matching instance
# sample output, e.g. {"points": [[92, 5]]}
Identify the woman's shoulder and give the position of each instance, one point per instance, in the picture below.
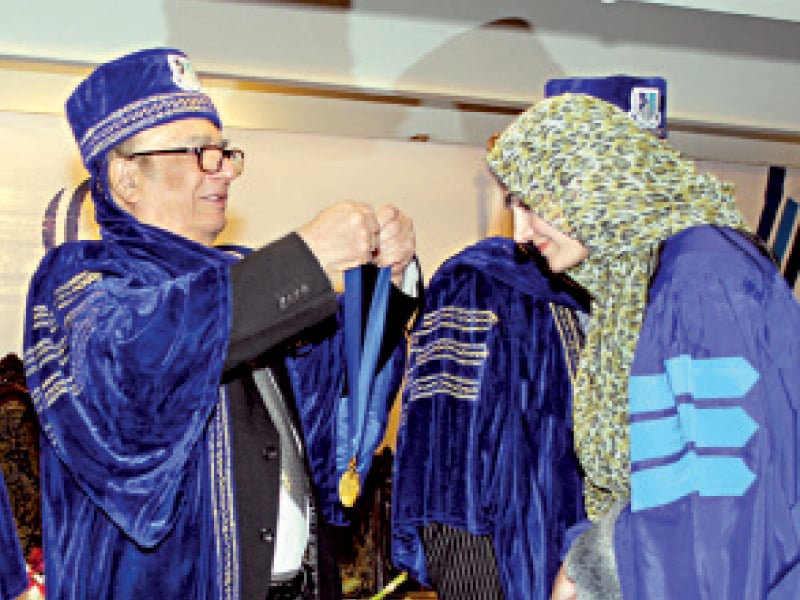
{"points": [[699, 255], [711, 239], [705, 245]]}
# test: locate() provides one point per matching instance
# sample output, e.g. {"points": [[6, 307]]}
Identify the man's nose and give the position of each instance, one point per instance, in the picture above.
{"points": [[228, 170]]}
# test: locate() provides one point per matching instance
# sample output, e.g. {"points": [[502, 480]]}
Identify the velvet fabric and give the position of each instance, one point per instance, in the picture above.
{"points": [[124, 343], [135, 92], [485, 442], [13, 577], [124, 347], [714, 397]]}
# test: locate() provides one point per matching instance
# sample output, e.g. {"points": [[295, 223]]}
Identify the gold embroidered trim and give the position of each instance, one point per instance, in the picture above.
{"points": [[463, 353], [48, 352], [140, 115], [443, 383], [455, 317], [65, 294], [43, 352], [572, 336], [43, 318], [52, 389], [220, 462]]}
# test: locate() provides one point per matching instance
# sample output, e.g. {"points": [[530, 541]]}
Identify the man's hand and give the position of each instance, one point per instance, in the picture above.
{"points": [[343, 236], [397, 242]]}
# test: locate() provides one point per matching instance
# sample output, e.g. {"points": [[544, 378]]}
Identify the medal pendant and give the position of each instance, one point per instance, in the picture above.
{"points": [[349, 485]]}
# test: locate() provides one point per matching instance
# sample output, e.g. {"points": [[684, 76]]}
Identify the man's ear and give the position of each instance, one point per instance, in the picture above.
{"points": [[123, 180]]}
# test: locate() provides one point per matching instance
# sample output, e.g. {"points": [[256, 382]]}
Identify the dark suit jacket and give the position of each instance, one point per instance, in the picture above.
{"points": [[279, 293]]}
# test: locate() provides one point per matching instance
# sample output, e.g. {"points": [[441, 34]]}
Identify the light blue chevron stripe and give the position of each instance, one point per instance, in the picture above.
{"points": [[648, 393], [728, 427], [712, 427], [706, 475], [702, 378], [658, 438], [705, 378]]}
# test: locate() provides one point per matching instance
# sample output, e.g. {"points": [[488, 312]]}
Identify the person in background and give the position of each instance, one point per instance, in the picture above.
{"points": [[20, 518], [175, 452], [687, 389], [486, 482]]}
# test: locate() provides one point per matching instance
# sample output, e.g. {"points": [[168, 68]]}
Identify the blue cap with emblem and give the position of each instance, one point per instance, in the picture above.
{"points": [[138, 91], [643, 98]]}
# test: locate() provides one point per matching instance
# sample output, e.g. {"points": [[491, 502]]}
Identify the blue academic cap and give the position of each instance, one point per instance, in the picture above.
{"points": [[643, 98], [127, 95]]}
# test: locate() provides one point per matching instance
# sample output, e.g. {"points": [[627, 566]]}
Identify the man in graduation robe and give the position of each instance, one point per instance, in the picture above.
{"points": [[157, 481]]}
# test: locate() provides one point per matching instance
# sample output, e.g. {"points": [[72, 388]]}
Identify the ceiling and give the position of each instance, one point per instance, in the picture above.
{"points": [[454, 71], [782, 10]]}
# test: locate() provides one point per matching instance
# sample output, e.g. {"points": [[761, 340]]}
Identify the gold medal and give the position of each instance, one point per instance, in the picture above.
{"points": [[349, 485]]}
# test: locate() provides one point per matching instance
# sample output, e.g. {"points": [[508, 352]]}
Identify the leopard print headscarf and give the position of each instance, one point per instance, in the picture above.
{"points": [[583, 165]]}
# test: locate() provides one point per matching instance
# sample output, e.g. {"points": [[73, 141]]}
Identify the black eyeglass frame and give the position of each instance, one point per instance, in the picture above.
{"points": [[235, 155]]}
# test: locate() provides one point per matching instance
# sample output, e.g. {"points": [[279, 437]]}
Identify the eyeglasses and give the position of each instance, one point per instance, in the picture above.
{"points": [[209, 158]]}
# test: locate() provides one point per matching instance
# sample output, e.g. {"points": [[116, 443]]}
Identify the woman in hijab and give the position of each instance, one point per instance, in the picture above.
{"points": [[688, 387]]}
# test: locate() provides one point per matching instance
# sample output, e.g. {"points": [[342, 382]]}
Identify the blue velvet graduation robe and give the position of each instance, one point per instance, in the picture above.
{"points": [[13, 576], [124, 346], [715, 436], [485, 442]]}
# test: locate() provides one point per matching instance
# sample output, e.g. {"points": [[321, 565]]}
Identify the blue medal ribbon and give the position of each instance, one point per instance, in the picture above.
{"points": [[361, 415]]}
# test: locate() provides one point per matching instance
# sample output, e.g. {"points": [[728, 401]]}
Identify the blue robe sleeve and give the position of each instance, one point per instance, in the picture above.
{"points": [[485, 437], [124, 369], [13, 576], [715, 447]]}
